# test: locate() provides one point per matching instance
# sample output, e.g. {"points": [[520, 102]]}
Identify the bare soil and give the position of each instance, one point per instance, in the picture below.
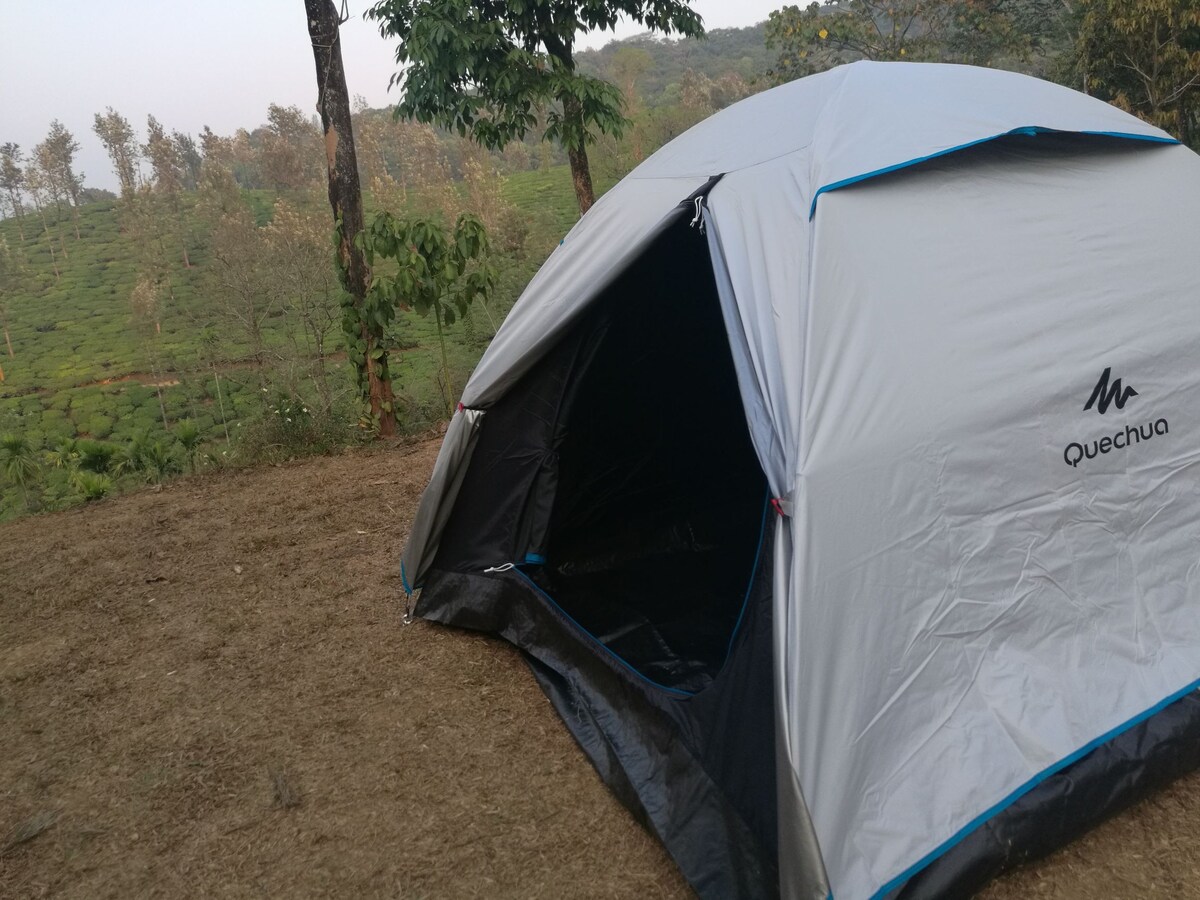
{"points": [[208, 690]]}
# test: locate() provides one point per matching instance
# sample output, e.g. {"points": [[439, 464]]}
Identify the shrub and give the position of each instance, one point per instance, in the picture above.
{"points": [[96, 456], [99, 425], [91, 485], [290, 428], [189, 437]]}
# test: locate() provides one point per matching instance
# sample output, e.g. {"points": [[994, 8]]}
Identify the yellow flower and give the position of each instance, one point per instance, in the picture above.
{"points": [[822, 34]]}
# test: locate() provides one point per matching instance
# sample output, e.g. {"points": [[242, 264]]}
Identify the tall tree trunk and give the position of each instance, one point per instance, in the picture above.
{"points": [[345, 193], [581, 173], [49, 243], [221, 404], [7, 336]]}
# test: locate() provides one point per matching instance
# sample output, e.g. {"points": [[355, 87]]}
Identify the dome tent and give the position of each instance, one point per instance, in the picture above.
{"points": [[836, 475]]}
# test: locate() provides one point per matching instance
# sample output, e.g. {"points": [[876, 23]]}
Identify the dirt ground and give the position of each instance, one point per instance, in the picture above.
{"points": [[207, 690]]}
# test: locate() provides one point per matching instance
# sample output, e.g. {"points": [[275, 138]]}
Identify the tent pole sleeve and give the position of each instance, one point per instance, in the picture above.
{"points": [[763, 434]]}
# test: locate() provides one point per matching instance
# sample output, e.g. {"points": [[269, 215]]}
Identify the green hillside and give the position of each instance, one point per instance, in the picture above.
{"points": [[82, 366]]}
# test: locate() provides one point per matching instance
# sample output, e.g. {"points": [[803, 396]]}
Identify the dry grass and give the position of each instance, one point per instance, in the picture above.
{"points": [[211, 687]]}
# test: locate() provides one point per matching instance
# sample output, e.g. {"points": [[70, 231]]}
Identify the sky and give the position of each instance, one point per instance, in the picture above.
{"points": [[190, 64]]}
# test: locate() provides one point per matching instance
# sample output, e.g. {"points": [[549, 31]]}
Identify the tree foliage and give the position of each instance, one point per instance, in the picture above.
{"points": [[55, 159], [12, 180], [117, 136], [485, 68], [1144, 56], [819, 37], [436, 273]]}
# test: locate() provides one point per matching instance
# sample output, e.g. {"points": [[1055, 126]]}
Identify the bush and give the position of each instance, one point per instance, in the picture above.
{"points": [[98, 426], [91, 485], [96, 457], [290, 428]]}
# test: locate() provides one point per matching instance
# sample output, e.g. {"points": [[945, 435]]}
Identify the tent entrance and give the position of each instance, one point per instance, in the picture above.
{"points": [[659, 501], [619, 475]]}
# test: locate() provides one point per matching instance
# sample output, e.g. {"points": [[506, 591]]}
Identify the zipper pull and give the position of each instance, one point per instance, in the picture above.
{"points": [[503, 568]]}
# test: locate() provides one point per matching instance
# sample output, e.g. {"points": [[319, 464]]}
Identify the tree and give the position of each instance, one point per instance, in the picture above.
{"points": [[436, 272], [1144, 56], [13, 275], [144, 303], [240, 281], [12, 180], [291, 149], [119, 141], [56, 157], [296, 259], [168, 175], [365, 348], [37, 186], [627, 66], [820, 37], [189, 159], [484, 67]]}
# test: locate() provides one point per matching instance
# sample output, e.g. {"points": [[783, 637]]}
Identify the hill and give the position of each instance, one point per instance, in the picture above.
{"points": [[207, 690], [741, 51]]}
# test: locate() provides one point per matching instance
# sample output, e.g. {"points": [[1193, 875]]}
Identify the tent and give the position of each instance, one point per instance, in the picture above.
{"points": [[839, 477]]}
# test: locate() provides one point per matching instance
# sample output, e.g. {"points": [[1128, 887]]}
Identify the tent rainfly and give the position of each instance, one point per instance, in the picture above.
{"points": [[839, 476]]}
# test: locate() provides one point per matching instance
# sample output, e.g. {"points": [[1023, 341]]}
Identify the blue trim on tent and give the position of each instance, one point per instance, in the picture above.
{"points": [[540, 560], [1016, 795], [566, 615], [534, 559], [1027, 130], [404, 580]]}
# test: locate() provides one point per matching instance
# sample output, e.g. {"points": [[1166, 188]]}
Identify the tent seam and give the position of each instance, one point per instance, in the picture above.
{"points": [[1025, 129]]}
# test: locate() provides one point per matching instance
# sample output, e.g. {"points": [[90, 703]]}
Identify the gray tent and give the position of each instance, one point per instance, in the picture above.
{"points": [[838, 475]]}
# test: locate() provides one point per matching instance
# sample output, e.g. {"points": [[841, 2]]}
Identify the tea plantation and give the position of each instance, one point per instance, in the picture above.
{"points": [[85, 367]]}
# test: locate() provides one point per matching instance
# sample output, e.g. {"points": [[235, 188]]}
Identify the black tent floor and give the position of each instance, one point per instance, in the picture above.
{"points": [[670, 618]]}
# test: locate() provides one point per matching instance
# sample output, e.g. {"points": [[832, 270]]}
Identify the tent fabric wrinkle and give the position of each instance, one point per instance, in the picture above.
{"points": [[965, 382]]}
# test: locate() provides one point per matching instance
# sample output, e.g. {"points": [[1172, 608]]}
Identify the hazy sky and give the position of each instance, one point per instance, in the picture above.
{"points": [[202, 62]]}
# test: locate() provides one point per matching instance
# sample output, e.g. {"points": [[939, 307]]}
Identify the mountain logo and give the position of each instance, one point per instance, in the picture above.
{"points": [[1104, 394]]}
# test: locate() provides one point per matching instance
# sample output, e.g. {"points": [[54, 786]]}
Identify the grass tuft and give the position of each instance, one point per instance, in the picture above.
{"points": [[284, 792], [30, 828]]}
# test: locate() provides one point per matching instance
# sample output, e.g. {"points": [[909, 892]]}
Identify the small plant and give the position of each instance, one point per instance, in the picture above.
{"points": [[436, 272], [153, 457], [132, 457], [18, 464], [189, 438], [159, 461], [96, 456], [91, 485], [65, 455]]}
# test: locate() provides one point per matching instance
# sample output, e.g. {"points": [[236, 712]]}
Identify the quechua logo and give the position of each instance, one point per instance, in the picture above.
{"points": [[1104, 394], [1108, 393]]}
